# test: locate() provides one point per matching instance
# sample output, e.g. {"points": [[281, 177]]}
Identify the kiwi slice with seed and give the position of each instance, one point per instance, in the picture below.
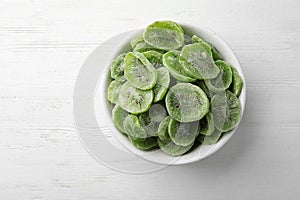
{"points": [[237, 82], [197, 62], [183, 133], [154, 57], [210, 139], [171, 62], [223, 80], [113, 91], [212, 50], [226, 110], [137, 39], [134, 100], [119, 116], [139, 71], [163, 129], [151, 119], [207, 91], [204, 44], [146, 144], [207, 125], [144, 47], [133, 127], [162, 84], [117, 67], [186, 102], [172, 149], [164, 35]]}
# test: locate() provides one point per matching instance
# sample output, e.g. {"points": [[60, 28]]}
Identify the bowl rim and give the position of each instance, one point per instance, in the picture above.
{"points": [[102, 83]]}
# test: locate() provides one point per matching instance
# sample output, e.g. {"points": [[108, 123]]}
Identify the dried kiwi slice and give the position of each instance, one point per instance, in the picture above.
{"points": [[224, 78], [151, 119], [147, 144], [203, 86], [210, 139], [113, 91], [133, 127], [119, 116], [183, 133], [204, 44], [117, 67], [165, 142], [237, 82], [150, 127], [186, 102], [139, 71], [164, 35], [162, 84], [216, 55], [137, 39], [213, 52], [163, 129], [207, 125], [197, 62], [143, 47], [172, 149], [171, 61], [154, 57], [157, 112], [134, 100], [226, 110]]}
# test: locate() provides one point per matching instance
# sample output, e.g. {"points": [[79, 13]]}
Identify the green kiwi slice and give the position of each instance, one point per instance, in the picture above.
{"points": [[113, 91], [117, 67], [157, 112], [154, 57], [226, 110], [151, 119], [237, 82], [163, 128], [207, 91], [224, 78], [119, 116], [137, 39], [210, 48], [139, 71], [204, 44], [197, 62], [171, 62], [172, 149], [143, 47], [162, 84], [146, 144], [134, 100], [183, 133], [216, 55], [166, 35], [210, 139], [207, 125], [133, 127], [186, 102]]}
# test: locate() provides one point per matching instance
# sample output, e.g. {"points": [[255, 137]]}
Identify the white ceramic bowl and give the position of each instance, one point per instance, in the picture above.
{"points": [[103, 107]]}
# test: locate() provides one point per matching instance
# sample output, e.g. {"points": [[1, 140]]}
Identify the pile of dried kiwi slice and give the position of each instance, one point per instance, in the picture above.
{"points": [[173, 91]]}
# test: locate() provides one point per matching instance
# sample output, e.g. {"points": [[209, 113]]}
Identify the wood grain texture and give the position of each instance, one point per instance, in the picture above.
{"points": [[44, 43]]}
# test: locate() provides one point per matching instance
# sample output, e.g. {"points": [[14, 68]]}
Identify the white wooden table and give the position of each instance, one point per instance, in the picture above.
{"points": [[42, 47]]}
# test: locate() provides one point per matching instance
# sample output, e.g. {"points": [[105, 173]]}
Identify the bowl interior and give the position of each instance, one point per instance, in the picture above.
{"points": [[103, 107]]}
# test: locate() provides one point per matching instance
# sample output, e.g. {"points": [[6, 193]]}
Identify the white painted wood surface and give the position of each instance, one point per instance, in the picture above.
{"points": [[42, 47]]}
